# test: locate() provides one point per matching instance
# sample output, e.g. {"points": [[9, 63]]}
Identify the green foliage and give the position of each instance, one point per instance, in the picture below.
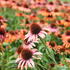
{"points": [[60, 68]]}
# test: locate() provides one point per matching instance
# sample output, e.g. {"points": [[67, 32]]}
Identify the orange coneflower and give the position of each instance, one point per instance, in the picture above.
{"points": [[56, 12], [21, 34], [24, 59], [3, 25], [67, 51], [60, 22], [66, 38], [19, 14], [33, 6], [66, 22], [58, 2], [34, 17], [23, 7], [8, 3], [10, 36], [15, 35], [66, 34], [50, 17], [58, 34], [66, 42], [14, 6], [41, 3], [51, 6], [55, 47], [52, 44], [22, 15], [60, 49], [44, 12], [2, 3], [3, 22]]}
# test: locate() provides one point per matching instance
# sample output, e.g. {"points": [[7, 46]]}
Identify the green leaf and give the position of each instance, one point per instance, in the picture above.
{"points": [[48, 37], [61, 68]]}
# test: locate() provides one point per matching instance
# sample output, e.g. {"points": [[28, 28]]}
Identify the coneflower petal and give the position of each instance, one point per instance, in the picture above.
{"points": [[22, 65], [29, 64], [18, 59], [19, 65], [42, 35], [31, 61]]}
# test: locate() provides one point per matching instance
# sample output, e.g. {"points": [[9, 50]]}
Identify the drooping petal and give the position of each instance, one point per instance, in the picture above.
{"points": [[19, 65], [31, 61], [18, 59], [37, 53], [29, 64], [22, 65], [42, 35]]}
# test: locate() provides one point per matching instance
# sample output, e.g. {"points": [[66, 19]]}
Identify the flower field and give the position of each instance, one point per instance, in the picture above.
{"points": [[34, 35]]}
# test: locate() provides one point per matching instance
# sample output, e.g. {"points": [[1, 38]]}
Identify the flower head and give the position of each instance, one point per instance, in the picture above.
{"points": [[52, 27], [68, 33], [36, 31], [28, 44], [66, 39], [66, 42], [25, 58], [52, 44]]}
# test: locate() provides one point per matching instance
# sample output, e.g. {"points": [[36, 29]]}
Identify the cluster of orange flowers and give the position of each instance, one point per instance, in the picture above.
{"points": [[9, 36], [48, 10]]}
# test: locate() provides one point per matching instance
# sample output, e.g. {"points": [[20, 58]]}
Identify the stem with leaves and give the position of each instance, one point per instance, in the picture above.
{"points": [[48, 50]]}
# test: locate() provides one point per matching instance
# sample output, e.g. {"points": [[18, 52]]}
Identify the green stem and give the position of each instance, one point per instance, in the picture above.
{"points": [[47, 49], [65, 60], [41, 66], [2, 58]]}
